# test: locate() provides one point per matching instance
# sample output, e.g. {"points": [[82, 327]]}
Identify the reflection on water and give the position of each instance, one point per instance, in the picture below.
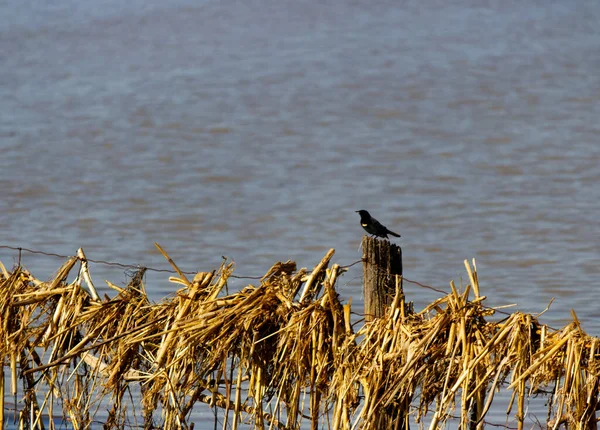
{"points": [[256, 132]]}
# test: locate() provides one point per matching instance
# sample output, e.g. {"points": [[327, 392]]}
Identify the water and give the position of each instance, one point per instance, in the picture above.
{"points": [[254, 131]]}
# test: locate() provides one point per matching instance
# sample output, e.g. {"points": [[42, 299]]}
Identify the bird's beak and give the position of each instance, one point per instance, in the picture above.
{"points": [[356, 211]]}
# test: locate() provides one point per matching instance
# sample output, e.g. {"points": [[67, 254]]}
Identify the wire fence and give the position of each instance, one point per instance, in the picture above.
{"points": [[21, 250]]}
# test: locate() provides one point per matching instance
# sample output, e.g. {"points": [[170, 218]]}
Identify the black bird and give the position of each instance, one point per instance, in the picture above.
{"points": [[372, 226]]}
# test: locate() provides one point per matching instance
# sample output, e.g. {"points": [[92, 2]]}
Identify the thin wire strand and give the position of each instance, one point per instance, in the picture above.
{"points": [[103, 262], [137, 267], [127, 266]]}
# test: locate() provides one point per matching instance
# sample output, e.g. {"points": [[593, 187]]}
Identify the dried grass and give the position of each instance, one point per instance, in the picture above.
{"points": [[274, 361]]}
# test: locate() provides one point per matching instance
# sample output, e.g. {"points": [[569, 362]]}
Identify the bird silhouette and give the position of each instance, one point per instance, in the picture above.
{"points": [[372, 226]]}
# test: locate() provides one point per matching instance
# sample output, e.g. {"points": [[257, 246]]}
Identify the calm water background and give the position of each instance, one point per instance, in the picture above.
{"points": [[254, 130]]}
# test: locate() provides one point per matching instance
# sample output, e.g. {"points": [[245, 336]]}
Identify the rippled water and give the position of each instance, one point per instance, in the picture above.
{"points": [[254, 131]]}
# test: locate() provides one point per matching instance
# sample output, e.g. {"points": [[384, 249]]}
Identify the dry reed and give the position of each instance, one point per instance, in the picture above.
{"points": [[270, 360]]}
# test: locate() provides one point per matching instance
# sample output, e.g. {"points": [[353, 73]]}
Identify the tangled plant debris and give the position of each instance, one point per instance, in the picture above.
{"points": [[282, 353]]}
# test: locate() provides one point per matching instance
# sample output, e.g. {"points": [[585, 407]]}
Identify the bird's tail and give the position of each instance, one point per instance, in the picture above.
{"points": [[392, 233]]}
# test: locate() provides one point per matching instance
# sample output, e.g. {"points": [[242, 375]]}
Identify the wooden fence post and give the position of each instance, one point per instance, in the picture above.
{"points": [[382, 261], [382, 264]]}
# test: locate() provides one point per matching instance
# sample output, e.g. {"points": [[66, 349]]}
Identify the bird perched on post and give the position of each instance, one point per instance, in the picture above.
{"points": [[372, 226]]}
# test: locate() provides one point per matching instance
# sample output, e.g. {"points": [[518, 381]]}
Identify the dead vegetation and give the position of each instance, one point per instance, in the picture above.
{"points": [[279, 354]]}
